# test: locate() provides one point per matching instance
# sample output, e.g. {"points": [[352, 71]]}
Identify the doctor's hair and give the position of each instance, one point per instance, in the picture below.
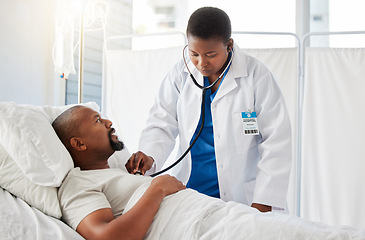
{"points": [[208, 23], [66, 126]]}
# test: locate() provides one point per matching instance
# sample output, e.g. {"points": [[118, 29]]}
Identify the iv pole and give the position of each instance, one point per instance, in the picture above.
{"points": [[81, 58]]}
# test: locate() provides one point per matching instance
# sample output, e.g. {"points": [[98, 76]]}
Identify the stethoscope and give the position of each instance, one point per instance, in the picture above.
{"points": [[204, 90]]}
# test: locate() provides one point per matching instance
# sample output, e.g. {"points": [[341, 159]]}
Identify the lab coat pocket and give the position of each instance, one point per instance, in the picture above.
{"points": [[248, 189]]}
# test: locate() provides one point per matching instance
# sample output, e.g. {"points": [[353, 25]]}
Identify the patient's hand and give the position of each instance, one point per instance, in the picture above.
{"points": [[166, 185]]}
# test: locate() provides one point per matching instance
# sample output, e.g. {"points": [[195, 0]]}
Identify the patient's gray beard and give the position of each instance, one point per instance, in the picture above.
{"points": [[116, 146]]}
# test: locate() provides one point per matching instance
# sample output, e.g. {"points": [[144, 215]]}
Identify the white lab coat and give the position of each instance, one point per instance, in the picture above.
{"points": [[250, 168]]}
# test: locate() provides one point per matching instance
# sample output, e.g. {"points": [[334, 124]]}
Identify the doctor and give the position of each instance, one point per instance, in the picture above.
{"points": [[244, 151]]}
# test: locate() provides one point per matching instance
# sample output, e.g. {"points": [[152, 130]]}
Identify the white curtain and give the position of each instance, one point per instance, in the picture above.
{"points": [[130, 84], [333, 149]]}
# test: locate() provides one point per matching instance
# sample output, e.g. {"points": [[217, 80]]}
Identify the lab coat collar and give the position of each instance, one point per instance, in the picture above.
{"points": [[197, 75], [238, 68], [239, 65]]}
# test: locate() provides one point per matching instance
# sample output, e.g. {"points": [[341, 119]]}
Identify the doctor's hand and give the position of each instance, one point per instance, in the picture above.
{"points": [[261, 207], [139, 162]]}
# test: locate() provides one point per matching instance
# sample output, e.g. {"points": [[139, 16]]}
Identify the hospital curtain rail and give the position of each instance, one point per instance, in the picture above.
{"points": [[332, 149]]}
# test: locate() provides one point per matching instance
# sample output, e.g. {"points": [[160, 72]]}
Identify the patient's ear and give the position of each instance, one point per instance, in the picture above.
{"points": [[77, 144]]}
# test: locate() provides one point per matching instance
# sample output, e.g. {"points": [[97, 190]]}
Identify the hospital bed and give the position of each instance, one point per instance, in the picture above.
{"points": [[30, 157], [33, 163]]}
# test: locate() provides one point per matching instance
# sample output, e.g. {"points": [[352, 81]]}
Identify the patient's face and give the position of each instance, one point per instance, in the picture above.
{"points": [[97, 133]]}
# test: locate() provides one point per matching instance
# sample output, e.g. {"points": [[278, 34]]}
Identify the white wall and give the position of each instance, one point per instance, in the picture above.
{"points": [[26, 67]]}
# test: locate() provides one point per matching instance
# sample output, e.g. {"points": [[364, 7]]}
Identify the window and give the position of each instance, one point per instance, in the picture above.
{"points": [[337, 16], [246, 15], [165, 17]]}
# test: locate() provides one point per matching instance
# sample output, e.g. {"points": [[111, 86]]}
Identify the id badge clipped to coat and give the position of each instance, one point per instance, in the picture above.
{"points": [[249, 120]]}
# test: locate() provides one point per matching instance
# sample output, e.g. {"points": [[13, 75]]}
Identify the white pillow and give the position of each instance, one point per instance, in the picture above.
{"points": [[28, 137], [14, 181], [26, 131]]}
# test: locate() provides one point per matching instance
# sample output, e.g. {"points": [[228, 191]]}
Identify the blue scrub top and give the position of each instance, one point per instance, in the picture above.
{"points": [[204, 177]]}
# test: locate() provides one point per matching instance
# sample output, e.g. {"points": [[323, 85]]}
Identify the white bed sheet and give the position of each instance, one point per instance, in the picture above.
{"points": [[213, 219], [20, 221]]}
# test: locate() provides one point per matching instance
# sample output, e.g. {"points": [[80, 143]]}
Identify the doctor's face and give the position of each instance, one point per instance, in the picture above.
{"points": [[209, 56]]}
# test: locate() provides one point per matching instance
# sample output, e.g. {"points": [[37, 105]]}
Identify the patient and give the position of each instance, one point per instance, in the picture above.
{"points": [[104, 203], [93, 196]]}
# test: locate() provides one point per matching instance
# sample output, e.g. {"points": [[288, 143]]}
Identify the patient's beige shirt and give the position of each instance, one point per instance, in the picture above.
{"points": [[83, 192]]}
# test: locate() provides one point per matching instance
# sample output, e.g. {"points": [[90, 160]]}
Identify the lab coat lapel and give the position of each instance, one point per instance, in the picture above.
{"points": [[198, 77], [229, 83], [237, 71]]}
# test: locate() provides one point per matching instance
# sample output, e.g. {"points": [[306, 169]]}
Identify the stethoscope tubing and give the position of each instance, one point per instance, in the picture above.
{"points": [[191, 144], [204, 90]]}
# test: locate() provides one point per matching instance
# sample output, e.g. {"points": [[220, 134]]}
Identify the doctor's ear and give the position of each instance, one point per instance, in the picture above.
{"points": [[229, 45], [77, 144]]}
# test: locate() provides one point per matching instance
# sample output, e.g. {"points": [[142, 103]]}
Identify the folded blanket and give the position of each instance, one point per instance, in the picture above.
{"points": [[190, 215]]}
